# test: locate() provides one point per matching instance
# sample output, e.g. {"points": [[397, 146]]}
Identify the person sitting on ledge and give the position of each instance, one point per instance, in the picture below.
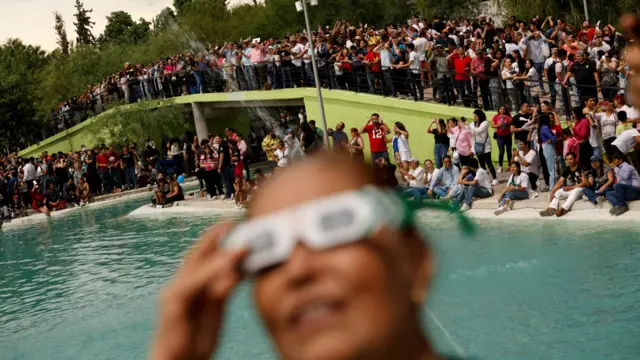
{"points": [[445, 179], [529, 162], [175, 192], [83, 191], [161, 192], [627, 187], [518, 188], [53, 199], [599, 181], [415, 177], [479, 187], [569, 187], [39, 200]]}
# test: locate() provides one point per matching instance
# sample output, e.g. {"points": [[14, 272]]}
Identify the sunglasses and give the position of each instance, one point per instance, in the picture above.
{"points": [[327, 223]]}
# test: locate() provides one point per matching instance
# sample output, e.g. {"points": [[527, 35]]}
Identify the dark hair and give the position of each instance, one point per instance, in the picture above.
{"points": [[577, 112], [312, 122], [473, 163], [543, 120], [446, 157], [400, 126], [572, 154], [547, 103], [375, 114], [518, 166], [617, 155], [411, 47], [481, 115]]}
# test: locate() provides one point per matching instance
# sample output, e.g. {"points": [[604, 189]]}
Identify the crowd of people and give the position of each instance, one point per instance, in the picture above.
{"points": [[471, 62]]}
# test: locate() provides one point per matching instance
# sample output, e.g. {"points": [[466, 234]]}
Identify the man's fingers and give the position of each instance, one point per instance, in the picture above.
{"points": [[631, 25], [206, 246]]}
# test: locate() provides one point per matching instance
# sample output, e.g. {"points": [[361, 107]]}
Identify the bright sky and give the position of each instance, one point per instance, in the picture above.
{"points": [[32, 20]]}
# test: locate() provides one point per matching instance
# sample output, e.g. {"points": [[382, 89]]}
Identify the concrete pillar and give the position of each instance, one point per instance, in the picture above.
{"points": [[200, 120]]}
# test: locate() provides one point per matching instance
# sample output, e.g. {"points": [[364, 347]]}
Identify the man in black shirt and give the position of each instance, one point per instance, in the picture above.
{"points": [[129, 165], [518, 124], [492, 73], [151, 155], [586, 75]]}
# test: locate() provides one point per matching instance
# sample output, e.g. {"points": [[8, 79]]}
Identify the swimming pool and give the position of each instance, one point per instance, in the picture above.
{"points": [[84, 286]]}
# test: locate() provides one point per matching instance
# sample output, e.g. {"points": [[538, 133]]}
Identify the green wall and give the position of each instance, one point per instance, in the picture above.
{"points": [[351, 108]]}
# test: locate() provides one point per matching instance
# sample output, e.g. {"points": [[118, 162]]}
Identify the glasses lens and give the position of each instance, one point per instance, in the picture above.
{"points": [[337, 221]]}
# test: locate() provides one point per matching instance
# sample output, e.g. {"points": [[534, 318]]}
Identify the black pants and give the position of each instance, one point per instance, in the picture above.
{"points": [[586, 151], [213, 180], [245, 163], [487, 164], [464, 160], [533, 180], [485, 93]]}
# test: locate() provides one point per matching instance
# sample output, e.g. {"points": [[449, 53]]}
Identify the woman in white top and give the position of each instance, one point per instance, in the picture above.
{"points": [[509, 73], [482, 142], [531, 83], [609, 121], [518, 188], [404, 151], [281, 155]]}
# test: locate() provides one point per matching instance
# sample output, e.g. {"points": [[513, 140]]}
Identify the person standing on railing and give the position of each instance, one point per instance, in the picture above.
{"points": [[462, 69], [442, 84], [386, 63], [372, 65]]}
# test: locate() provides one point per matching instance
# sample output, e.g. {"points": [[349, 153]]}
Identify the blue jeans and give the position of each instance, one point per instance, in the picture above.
{"points": [[514, 195], [550, 158], [592, 195], [441, 190], [379, 154], [130, 178], [439, 152], [227, 180], [622, 193], [418, 193], [470, 191], [504, 144]]}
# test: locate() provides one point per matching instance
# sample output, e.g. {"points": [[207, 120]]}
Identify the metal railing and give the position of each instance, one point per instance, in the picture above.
{"points": [[484, 92]]}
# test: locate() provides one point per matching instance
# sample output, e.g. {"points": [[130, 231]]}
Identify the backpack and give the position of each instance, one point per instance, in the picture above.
{"points": [[551, 75]]}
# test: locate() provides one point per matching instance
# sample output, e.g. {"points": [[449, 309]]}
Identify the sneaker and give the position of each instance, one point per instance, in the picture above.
{"points": [[619, 210], [464, 208], [501, 210], [585, 198], [600, 199], [209, 197], [544, 188], [499, 170], [534, 195], [494, 182], [548, 212]]}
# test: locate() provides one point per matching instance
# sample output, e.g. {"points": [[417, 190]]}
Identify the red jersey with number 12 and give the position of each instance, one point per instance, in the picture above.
{"points": [[377, 141]]}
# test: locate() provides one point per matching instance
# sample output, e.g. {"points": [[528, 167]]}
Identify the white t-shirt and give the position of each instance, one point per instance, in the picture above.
{"points": [[403, 143], [510, 47], [626, 141], [632, 113], [420, 44], [484, 179], [29, 172], [418, 173], [532, 158], [514, 71], [594, 134], [298, 49], [481, 135], [521, 180], [533, 75], [415, 62], [609, 124], [283, 157]]}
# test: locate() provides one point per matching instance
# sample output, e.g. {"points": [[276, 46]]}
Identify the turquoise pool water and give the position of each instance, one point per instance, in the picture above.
{"points": [[84, 287]]}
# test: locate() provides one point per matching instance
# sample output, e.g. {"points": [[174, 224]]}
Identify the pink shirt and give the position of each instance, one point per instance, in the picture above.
{"points": [[581, 130], [256, 55], [464, 140]]}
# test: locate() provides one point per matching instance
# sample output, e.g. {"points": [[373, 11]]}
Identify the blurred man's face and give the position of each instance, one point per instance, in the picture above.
{"points": [[570, 160]]}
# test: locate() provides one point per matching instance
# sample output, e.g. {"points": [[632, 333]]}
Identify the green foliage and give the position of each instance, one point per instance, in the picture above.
{"points": [[83, 25], [123, 126], [608, 12], [18, 65], [449, 9], [61, 32], [164, 20], [122, 29]]}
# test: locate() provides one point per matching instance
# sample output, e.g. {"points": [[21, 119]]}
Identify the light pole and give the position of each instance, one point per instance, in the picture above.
{"points": [[586, 10], [302, 6]]}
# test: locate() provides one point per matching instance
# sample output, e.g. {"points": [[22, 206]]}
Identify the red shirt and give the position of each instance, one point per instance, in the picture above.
{"points": [[102, 161], [373, 60], [504, 128], [377, 138], [557, 131], [461, 66], [581, 130], [591, 33]]}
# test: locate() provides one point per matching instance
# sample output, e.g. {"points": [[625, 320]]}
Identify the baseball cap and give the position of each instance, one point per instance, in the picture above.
{"points": [[413, 159], [596, 158]]}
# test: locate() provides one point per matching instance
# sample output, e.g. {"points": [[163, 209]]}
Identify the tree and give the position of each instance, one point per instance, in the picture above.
{"points": [[163, 20], [118, 23], [61, 31], [83, 25], [19, 66], [181, 6], [449, 9]]}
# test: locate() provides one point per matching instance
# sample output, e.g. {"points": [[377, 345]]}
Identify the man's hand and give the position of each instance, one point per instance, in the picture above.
{"points": [[430, 192]]}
